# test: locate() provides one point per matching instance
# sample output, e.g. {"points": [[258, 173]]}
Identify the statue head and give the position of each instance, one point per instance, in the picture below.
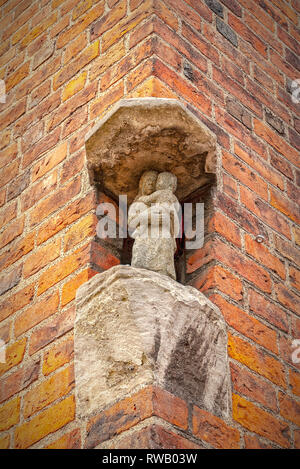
{"points": [[167, 181], [147, 182]]}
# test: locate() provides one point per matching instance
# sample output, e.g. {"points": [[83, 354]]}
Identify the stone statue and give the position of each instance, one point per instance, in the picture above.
{"points": [[153, 220]]}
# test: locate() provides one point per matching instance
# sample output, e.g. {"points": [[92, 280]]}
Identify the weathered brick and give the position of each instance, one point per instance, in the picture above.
{"points": [[45, 144], [70, 70], [261, 253], [5, 442], [268, 310], [8, 213], [70, 440], [289, 408], [72, 166], [18, 380], [259, 421], [10, 414], [55, 201], [221, 279], [55, 328], [128, 412], [50, 161], [295, 382], [109, 20], [74, 86], [284, 205], [58, 355], [14, 354], [38, 191], [37, 30], [287, 298], [48, 421], [102, 257], [252, 386], [256, 359], [286, 249], [40, 396], [9, 172], [70, 287], [66, 217], [10, 280], [215, 431], [227, 32], [36, 313], [100, 105]]}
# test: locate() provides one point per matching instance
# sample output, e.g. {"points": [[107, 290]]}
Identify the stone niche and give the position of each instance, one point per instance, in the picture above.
{"points": [[135, 327], [150, 133]]}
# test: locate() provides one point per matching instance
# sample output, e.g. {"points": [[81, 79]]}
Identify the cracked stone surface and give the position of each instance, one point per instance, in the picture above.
{"points": [[135, 327]]}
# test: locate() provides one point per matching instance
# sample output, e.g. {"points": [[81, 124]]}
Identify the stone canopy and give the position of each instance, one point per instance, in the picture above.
{"points": [[142, 134]]}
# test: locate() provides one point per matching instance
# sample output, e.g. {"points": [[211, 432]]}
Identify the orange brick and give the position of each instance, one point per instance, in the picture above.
{"points": [[75, 47], [8, 213], [14, 355], [245, 175], [19, 380], [54, 202], [50, 161], [63, 268], [221, 279], [109, 20], [16, 302], [36, 313], [5, 442], [287, 298], [58, 356], [284, 205], [13, 230], [16, 251], [276, 142], [74, 86], [9, 154], [78, 119], [48, 391], [289, 408], [17, 76], [70, 287], [10, 414], [152, 87], [72, 166], [82, 7], [295, 277], [262, 254], [80, 25], [268, 310], [37, 30], [71, 440], [224, 226], [215, 431], [252, 442], [41, 257], [246, 324], [106, 60], [257, 360], [9, 172], [102, 104], [48, 421], [295, 382], [66, 217], [259, 421], [81, 230], [70, 70], [44, 145]]}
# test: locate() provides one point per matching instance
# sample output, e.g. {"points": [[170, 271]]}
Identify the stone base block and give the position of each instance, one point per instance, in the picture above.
{"points": [[134, 328]]}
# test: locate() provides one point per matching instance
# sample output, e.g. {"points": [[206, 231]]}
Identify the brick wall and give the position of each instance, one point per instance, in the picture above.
{"points": [[64, 63]]}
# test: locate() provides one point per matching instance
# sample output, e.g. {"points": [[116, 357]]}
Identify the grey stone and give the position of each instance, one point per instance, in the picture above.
{"points": [[215, 6], [134, 328], [227, 32]]}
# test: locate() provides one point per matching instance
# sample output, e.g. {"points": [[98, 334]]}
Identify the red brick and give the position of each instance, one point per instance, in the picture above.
{"points": [[252, 442], [237, 169], [252, 386], [187, 13], [77, 119], [9, 172], [45, 144], [257, 360], [259, 421], [287, 349], [246, 324], [287, 298], [286, 249], [261, 253], [215, 431], [202, 9], [8, 155], [295, 382], [55, 328], [200, 44], [131, 410], [109, 20], [294, 275], [268, 310], [17, 250], [35, 314], [222, 225], [102, 258], [219, 278], [38, 191], [8, 213], [72, 166], [247, 34], [289, 408], [230, 186], [260, 166], [32, 136], [284, 205], [264, 212]]}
